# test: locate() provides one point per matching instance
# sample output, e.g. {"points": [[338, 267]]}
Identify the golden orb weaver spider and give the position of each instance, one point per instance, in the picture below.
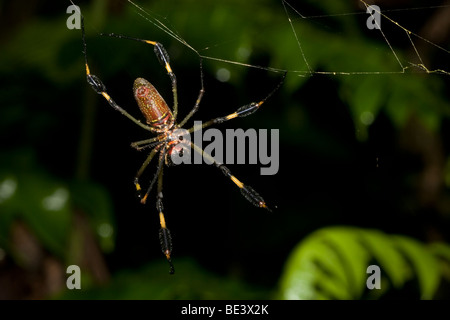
{"points": [[162, 120]]}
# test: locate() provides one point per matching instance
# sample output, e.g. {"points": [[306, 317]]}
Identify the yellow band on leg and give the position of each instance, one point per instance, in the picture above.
{"points": [[162, 221], [237, 182]]}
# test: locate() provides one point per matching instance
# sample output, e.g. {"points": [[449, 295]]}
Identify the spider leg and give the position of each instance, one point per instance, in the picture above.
{"points": [[148, 143], [248, 192], [98, 86], [165, 238], [142, 169], [162, 154], [243, 111], [199, 98], [164, 60]]}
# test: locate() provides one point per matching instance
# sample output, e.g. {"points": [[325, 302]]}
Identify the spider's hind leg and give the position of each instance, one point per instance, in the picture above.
{"points": [[248, 192], [165, 238]]}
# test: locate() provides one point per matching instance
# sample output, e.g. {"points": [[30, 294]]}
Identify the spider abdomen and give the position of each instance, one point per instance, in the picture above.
{"points": [[155, 110]]}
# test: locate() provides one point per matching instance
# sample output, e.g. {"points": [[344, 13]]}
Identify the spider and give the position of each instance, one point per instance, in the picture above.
{"points": [[162, 121]]}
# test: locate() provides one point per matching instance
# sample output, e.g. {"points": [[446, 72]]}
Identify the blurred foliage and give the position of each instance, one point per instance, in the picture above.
{"points": [[332, 263], [339, 149], [46, 204], [153, 282]]}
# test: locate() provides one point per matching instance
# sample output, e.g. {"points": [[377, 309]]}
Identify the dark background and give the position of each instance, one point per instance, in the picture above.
{"points": [[392, 176]]}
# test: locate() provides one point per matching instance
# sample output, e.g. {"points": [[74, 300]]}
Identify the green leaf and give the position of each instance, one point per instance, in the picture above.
{"points": [[314, 264], [426, 267], [383, 250], [441, 250], [353, 257], [332, 263]]}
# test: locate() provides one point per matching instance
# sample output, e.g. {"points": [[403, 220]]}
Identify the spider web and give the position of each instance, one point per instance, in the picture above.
{"points": [[408, 34], [297, 19], [302, 62]]}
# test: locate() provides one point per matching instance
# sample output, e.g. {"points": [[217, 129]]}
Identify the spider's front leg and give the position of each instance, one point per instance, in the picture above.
{"points": [[148, 143], [163, 58], [98, 86]]}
